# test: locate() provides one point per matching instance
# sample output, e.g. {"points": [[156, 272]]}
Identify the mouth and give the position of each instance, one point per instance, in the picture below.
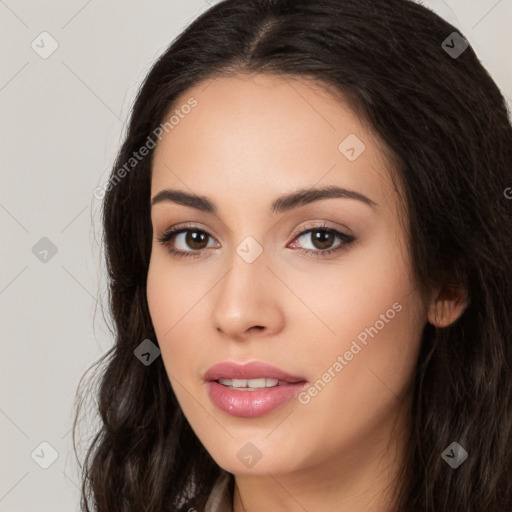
{"points": [[250, 390]]}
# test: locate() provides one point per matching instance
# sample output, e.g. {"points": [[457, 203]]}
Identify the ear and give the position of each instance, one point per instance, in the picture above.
{"points": [[447, 305]]}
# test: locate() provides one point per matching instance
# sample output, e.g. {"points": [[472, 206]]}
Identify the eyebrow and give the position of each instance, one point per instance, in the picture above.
{"points": [[282, 204]]}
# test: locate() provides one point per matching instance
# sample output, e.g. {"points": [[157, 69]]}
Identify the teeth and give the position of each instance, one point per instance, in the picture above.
{"points": [[239, 383], [250, 383]]}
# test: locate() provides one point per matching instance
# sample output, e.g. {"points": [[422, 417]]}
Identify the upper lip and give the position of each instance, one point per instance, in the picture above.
{"points": [[253, 370]]}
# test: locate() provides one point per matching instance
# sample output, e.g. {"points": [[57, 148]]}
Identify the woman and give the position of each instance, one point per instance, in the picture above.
{"points": [[309, 246]]}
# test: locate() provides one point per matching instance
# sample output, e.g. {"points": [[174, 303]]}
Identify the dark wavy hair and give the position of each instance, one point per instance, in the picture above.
{"points": [[447, 127]]}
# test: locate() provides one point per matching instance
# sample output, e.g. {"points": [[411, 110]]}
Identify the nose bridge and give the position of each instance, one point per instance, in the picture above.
{"points": [[245, 296]]}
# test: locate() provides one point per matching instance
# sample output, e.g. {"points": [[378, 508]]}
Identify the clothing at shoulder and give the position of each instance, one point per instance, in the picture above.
{"points": [[220, 499]]}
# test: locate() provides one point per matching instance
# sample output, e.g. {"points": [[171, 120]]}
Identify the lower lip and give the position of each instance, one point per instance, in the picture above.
{"points": [[250, 404]]}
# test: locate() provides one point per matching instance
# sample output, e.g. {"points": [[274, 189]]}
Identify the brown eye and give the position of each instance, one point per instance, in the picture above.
{"points": [[322, 239], [196, 239], [186, 241]]}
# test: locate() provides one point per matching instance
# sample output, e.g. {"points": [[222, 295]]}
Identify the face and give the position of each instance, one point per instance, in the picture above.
{"points": [[317, 286]]}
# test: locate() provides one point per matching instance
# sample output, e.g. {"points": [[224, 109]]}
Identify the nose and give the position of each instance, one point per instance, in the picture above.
{"points": [[248, 301]]}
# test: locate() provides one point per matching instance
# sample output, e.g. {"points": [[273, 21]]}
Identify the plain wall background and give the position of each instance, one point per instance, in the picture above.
{"points": [[62, 121]]}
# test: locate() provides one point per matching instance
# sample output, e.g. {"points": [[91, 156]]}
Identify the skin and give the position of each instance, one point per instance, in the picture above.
{"points": [[250, 139]]}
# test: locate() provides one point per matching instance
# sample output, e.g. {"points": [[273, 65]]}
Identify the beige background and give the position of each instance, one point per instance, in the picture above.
{"points": [[62, 119]]}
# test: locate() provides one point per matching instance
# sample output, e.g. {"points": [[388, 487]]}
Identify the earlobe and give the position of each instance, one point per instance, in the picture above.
{"points": [[447, 306]]}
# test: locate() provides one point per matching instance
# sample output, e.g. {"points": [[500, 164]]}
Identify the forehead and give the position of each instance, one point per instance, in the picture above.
{"points": [[254, 133]]}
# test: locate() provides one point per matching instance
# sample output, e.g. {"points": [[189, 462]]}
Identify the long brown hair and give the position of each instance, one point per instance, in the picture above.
{"points": [[446, 123]]}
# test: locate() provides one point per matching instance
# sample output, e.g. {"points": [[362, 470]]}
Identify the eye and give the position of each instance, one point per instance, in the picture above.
{"points": [[321, 240], [178, 239], [190, 241]]}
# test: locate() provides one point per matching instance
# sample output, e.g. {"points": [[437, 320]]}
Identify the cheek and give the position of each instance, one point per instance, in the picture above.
{"points": [[375, 318], [168, 301], [358, 387], [351, 294], [175, 299], [172, 292], [361, 382]]}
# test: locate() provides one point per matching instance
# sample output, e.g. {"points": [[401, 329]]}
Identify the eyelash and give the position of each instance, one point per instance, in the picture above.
{"points": [[170, 234]]}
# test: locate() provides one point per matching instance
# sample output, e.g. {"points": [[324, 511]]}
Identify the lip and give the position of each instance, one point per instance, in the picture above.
{"points": [[254, 403], [253, 370]]}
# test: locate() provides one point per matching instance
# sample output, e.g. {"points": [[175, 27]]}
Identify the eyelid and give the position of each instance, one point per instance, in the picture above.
{"points": [[321, 225], [183, 227]]}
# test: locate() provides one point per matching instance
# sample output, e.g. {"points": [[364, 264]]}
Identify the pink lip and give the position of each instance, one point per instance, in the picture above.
{"points": [[250, 404], [254, 370]]}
